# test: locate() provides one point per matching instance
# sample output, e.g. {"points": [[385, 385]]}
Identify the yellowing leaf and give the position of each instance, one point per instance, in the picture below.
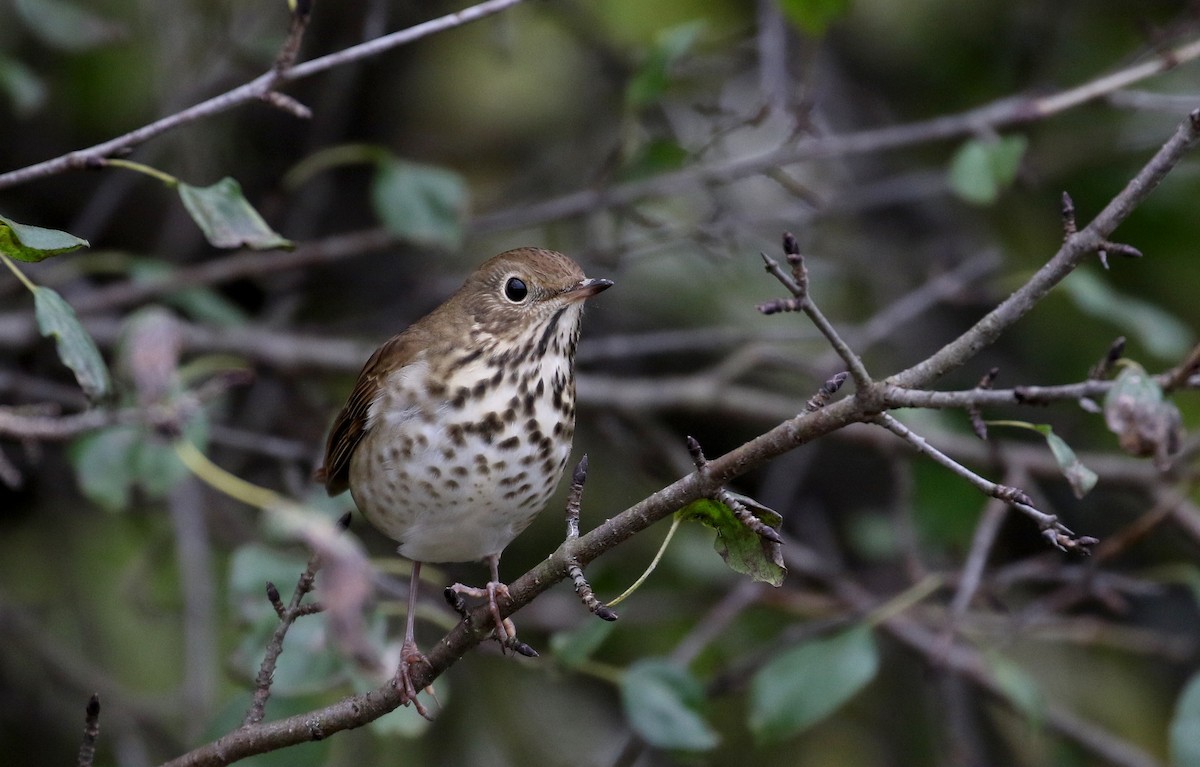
{"points": [[744, 550], [33, 243]]}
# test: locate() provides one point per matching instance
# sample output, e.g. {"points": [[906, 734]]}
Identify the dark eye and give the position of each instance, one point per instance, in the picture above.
{"points": [[515, 290]]}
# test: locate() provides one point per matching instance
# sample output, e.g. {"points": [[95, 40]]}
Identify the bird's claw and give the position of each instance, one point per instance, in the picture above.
{"points": [[410, 656], [504, 631]]}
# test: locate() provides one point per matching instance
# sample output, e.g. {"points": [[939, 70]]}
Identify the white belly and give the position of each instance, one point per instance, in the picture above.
{"points": [[453, 483]]}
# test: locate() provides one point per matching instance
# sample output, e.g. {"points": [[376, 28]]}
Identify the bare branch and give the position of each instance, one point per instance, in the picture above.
{"points": [[251, 91], [1069, 256]]}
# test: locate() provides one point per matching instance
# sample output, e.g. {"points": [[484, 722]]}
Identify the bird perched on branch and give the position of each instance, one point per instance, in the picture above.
{"points": [[459, 428]]}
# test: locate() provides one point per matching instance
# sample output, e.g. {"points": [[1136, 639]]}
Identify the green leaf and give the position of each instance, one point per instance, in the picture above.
{"points": [[25, 89], [1020, 688], [227, 219], [1081, 478], [813, 17], [742, 549], [420, 203], [76, 349], [110, 463], [981, 168], [33, 243], [1162, 334], [102, 466], [662, 703], [804, 685], [69, 26], [651, 79], [656, 156], [1185, 726], [572, 648], [199, 303]]}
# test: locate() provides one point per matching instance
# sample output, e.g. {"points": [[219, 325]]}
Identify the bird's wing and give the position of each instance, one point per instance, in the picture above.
{"points": [[351, 423]]}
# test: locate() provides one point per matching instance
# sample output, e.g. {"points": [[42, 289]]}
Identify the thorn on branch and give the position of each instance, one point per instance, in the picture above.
{"points": [[91, 732], [1102, 368], [583, 589], [287, 104], [826, 392], [291, 46], [276, 600], [974, 412], [1070, 227], [723, 495], [747, 517], [1117, 248]]}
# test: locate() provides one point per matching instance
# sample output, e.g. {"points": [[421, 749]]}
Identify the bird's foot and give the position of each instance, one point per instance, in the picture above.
{"points": [[505, 630], [410, 656]]}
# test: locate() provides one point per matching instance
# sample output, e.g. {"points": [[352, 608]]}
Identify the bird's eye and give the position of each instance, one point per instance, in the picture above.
{"points": [[515, 290]]}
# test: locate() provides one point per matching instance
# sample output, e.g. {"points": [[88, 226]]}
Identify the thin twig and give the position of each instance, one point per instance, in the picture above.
{"points": [[91, 732], [1015, 497], [797, 284], [997, 115], [1069, 256], [582, 588], [251, 91], [287, 616]]}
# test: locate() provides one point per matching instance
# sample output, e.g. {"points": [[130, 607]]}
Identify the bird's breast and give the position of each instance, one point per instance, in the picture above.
{"points": [[461, 454]]}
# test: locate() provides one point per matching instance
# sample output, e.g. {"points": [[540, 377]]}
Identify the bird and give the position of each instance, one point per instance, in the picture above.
{"points": [[458, 429]]}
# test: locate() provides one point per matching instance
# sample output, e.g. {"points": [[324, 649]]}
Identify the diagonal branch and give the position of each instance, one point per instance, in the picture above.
{"points": [[1072, 253], [256, 89]]}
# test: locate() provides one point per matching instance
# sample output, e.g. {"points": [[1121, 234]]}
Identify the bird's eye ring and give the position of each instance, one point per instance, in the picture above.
{"points": [[516, 290]]}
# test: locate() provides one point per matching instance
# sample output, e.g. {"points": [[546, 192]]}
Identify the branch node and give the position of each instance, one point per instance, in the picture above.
{"points": [[826, 392], [1010, 494]]}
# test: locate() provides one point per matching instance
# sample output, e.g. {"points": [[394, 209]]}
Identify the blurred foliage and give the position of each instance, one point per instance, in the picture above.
{"points": [[453, 144]]}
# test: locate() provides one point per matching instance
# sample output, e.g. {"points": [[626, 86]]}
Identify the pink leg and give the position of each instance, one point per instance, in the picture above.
{"points": [[410, 654]]}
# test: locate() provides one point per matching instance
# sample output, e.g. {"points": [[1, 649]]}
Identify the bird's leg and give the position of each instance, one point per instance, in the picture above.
{"points": [[410, 654], [506, 630]]}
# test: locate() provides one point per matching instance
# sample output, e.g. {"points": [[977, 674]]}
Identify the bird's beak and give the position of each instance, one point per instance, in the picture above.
{"points": [[587, 288]]}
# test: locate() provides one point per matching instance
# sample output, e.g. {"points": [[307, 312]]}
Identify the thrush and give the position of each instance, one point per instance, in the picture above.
{"points": [[458, 429]]}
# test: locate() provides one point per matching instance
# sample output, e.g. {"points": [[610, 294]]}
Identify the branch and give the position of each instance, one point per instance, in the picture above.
{"points": [[996, 115], [256, 89], [1070, 255]]}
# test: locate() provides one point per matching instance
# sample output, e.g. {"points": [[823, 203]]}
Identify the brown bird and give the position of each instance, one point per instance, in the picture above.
{"points": [[458, 429]]}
